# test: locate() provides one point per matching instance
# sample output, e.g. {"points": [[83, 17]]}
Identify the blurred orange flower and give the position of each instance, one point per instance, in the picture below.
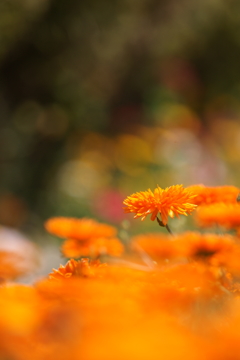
{"points": [[171, 201], [93, 247], [190, 245], [202, 246], [229, 260], [79, 229], [158, 246], [33, 324], [13, 265], [227, 215], [210, 195], [85, 237]]}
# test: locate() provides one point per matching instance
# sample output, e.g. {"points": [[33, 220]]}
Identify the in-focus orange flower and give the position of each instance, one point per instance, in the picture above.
{"points": [[171, 201], [210, 195], [227, 215], [93, 248], [79, 229], [83, 268]]}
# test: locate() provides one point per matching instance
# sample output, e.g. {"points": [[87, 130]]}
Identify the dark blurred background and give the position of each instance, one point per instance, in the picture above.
{"points": [[100, 99]]}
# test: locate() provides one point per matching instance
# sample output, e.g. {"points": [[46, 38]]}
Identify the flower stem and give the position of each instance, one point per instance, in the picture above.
{"points": [[166, 226], [168, 229]]}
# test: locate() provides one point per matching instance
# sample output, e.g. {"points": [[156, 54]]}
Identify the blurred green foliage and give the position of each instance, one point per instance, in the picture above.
{"points": [[100, 99]]}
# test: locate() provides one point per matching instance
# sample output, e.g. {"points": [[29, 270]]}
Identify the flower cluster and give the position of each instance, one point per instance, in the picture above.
{"points": [[85, 237], [212, 195], [167, 296]]}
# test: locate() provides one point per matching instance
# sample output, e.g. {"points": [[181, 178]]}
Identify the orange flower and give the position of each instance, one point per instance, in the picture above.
{"points": [[31, 323], [211, 195], [229, 259], [158, 246], [227, 215], [171, 201], [83, 267], [85, 237], [13, 265], [79, 229], [188, 244], [202, 246], [93, 248]]}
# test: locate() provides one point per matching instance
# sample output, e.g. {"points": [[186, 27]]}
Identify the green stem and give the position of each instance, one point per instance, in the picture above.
{"points": [[168, 229], [166, 226]]}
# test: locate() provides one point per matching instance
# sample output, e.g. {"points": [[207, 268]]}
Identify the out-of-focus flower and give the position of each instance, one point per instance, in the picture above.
{"points": [[190, 245], [130, 302], [202, 246], [171, 201], [199, 283], [18, 255], [12, 265], [83, 267], [18, 309], [229, 260], [93, 248], [31, 323], [183, 285], [85, 237], [158, 337], [225, 340], [79, 229], [157, 246], [227, 215], [210, 195]]}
